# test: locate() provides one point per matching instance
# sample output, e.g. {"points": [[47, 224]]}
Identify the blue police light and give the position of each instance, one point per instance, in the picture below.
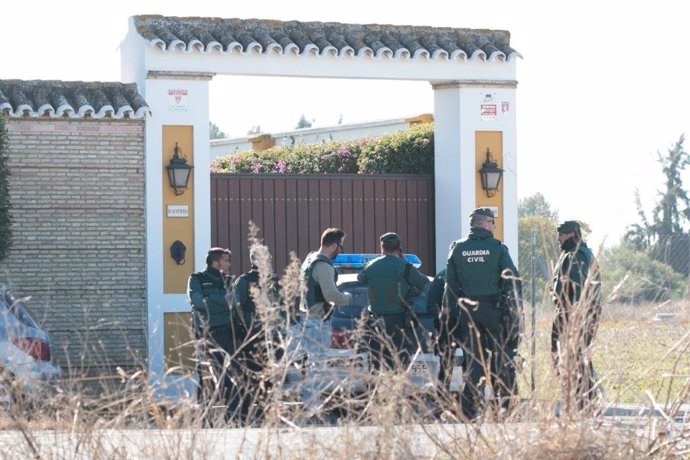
{"points": [[358, 261]]}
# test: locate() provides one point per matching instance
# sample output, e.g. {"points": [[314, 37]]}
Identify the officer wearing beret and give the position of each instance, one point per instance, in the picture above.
{"points": [[391, 279], [577, 297], [479, 275]]}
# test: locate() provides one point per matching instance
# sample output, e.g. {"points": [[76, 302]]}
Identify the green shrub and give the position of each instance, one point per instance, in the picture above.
{"points": [[5, 216], [632, 276], [407, 152], [330, 158]]}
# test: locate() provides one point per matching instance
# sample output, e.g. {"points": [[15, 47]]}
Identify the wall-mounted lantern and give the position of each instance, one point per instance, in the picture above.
{"points": [[178, 171], [491, 175]]}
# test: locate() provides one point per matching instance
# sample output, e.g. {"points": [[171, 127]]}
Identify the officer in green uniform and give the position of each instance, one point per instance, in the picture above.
{"points": [[478, 273], [312, 336], [209, 291], [391, 279], [253, 330], [577, 297]]}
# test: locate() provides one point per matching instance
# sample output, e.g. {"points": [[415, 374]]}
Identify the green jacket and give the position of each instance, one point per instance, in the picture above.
{"points": [[574, 266], [390, 279], [435, 297], [243, 306], [207, 293], [474, 269]]}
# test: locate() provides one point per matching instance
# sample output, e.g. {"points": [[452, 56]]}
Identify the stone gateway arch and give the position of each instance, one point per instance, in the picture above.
{"points": [[172, 60]]}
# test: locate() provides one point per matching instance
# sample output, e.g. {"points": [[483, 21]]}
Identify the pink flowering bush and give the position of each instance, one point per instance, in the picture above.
{"points": [[407, 152]]}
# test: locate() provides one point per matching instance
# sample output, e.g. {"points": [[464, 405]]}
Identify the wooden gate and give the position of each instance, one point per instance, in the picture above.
{"points": [[293, 210]]}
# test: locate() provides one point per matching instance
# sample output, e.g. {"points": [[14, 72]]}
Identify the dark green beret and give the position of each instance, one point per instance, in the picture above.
{"points": [[483, 212], [569, 226]]}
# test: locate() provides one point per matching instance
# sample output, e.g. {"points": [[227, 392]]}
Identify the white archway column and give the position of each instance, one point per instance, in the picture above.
{"points": [[459, 114], [175, 99]]}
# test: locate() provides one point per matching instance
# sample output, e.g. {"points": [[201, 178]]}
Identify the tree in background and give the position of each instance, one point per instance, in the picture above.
{"points": [[664, 236], [536, 205], [5, 216], [535, 213], [303, 123], [256, 129], [214, 131], [632, 276]]}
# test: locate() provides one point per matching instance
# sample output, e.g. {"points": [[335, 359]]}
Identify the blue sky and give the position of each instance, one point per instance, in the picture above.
{"points": [[602, 86]]}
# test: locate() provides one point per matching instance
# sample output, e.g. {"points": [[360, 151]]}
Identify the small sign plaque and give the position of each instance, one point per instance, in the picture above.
{"points": [[488, 112], [177, 99], [178, 210]]}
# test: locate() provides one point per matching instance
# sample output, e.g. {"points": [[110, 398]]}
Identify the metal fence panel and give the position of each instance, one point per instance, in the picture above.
{"points": [[292, 211]]}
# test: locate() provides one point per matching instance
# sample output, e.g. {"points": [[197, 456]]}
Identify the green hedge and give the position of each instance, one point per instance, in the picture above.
{"points": [[5, 216], [407, 152]]}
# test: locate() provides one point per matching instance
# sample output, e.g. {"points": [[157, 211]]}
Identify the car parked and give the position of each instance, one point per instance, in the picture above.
{"points": [[27, 371], [348, 320], [347, 365]]}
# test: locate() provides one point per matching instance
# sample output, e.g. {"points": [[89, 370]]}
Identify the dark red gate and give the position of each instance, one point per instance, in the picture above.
{"points": [[292, 211]]}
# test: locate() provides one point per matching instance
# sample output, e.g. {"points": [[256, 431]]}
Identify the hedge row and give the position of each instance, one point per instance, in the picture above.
{"points": [[407, 152], [5, 216]]}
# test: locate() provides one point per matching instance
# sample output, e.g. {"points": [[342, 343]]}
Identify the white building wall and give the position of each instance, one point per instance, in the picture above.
{"points": [[192, 111], [220, 147], [291, 65], [457, 111]]}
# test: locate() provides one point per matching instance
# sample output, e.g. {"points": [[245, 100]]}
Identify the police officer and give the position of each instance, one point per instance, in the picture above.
{"points": [[577, 297], [251, 330], [475, 283], [209, 291], [312, 336], [391, 279]]}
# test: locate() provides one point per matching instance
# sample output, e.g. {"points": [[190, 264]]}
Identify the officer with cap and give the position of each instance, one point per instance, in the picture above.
{"points": [[391, 279], [479, 274], [577, 297]]}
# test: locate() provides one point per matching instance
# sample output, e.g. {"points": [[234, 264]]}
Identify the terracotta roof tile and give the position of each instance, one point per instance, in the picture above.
{"points": [[323, 38], [73, 99]]}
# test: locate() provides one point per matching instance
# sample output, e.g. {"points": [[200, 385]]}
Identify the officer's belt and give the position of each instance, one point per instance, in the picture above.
{"points": [[486, 299]]}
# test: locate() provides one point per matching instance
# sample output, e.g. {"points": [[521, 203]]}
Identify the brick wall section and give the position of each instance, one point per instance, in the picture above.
{"points": [[78, 191]]}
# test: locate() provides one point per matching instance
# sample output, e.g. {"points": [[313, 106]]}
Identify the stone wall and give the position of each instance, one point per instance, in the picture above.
{"points": [[78, 190]]}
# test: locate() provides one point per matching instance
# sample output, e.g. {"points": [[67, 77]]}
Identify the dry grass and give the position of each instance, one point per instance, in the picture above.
{"points": [[638, 361]]}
